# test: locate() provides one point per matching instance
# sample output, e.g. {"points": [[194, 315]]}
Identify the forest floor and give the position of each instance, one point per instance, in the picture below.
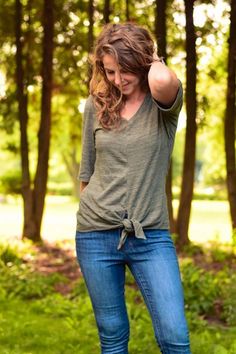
{"points": [[52, 258]]}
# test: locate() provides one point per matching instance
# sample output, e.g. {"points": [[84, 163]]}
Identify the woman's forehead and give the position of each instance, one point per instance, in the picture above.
{"points": [[109, 61]]}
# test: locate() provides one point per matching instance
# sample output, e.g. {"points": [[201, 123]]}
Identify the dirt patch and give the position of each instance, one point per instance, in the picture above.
{"points": [[49, 259]]}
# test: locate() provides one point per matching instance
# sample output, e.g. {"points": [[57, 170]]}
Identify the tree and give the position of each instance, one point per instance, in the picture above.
{"points": [[91, 23], [34, 197], [22, 98], [230, 117], [127, 10], [161, 34], [106, 11], [183, 217]]}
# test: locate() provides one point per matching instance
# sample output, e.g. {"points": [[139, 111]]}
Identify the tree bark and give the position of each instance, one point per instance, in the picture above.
{"points": [[161, 34], [41, 176], [186, 195], [127, 12], [22, 97], [90, 38], [230, 117], [33, 199], [160, 27], [91, 23], [106, 11]]}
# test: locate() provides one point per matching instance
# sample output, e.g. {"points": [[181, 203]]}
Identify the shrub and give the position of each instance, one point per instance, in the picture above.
{"points": [[19, 280], [229, 301], [9, 254], [201, 288], [11, 182]]}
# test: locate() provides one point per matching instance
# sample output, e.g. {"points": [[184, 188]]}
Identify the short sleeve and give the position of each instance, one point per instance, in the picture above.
{"points": [[88, 144], [170, 114]]}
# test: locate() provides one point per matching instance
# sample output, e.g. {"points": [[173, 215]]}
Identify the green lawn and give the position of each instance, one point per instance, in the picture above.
{"points": [[35, 319], [28, 327], [209, 220]]}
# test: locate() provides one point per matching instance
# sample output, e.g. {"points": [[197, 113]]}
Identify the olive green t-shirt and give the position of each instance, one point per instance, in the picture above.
{"points": [[126, 169]]}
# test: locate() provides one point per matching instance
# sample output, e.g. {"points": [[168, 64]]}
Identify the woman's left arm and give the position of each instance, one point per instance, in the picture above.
{"points": [[163, 83]]}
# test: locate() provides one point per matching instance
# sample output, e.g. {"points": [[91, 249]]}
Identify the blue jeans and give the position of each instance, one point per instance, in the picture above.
{"points": [[154, 265]]}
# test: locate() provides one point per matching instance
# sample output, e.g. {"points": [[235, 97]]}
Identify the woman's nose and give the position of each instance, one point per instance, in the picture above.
{"points": [[117, 79]]}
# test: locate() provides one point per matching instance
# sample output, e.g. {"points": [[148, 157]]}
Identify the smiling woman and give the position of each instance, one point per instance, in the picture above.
{"points": [[128, 83], [130, 120], [121, 78]]}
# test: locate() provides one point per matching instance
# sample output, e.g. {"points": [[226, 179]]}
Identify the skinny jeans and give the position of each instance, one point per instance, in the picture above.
{"points": [[154, 265]]}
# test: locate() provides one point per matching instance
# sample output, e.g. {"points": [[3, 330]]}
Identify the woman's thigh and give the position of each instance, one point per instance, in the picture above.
{"points": [[104, 272]]}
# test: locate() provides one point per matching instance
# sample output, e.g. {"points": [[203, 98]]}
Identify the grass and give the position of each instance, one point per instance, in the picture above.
{"points": [[209, 220], [36, 319], [28, 327], [61, 326], [24, 331]]}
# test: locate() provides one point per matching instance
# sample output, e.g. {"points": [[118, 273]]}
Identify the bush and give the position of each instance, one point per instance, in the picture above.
{"points": [[11, 182], [19, 280], [9, 254], [201, 289], [229, 301]]}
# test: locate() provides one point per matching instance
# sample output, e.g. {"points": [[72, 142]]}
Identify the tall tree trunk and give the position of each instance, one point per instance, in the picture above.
{"points": [[106, 11], [161, 35], [230, 117], [41, 176], [127, 12], [184, 209], [90, 37], [91, 23], [33, 199], [22, 98], [160, 27]]}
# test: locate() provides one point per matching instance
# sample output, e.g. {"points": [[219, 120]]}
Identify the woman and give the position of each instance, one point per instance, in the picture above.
{"points": [[130, 121]]}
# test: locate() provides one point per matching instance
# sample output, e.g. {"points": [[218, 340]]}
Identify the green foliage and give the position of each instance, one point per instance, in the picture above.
{"points": [[11, 182], [20, 280], [9, 254], [71, 77], [229, 300], [214, 340], [35, 318], [201, 288]]}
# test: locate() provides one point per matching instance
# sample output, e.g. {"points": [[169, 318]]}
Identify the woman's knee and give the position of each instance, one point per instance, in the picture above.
{"points": [[175, 340], [114, 334]]}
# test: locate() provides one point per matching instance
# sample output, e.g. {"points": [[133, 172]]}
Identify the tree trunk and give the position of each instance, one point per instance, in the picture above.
{"points": [[186, 195], [230, 117], [27, 194], [91, 23], [160, 27], [33, 199], [161, 34], [41, 176], [90, 37], [127, 10], [106, 11]]}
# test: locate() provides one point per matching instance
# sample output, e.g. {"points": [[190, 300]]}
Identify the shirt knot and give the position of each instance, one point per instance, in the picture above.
{"points": [[130, 225]]}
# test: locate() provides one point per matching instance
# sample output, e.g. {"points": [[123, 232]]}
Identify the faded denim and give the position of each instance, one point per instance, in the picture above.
{"points": [[154, 265]]}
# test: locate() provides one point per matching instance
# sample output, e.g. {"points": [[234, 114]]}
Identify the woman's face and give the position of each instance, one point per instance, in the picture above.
{"points": [[127, 82]]}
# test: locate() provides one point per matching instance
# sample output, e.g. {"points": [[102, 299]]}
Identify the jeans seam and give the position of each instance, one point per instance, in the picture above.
{"points": [[149, 305]]}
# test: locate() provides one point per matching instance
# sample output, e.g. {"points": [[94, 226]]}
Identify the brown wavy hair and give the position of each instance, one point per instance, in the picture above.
{"points": [[133, 49]]}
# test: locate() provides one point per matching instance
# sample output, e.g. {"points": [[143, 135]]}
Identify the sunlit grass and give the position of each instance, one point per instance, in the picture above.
{"points": [[210, 220]]}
